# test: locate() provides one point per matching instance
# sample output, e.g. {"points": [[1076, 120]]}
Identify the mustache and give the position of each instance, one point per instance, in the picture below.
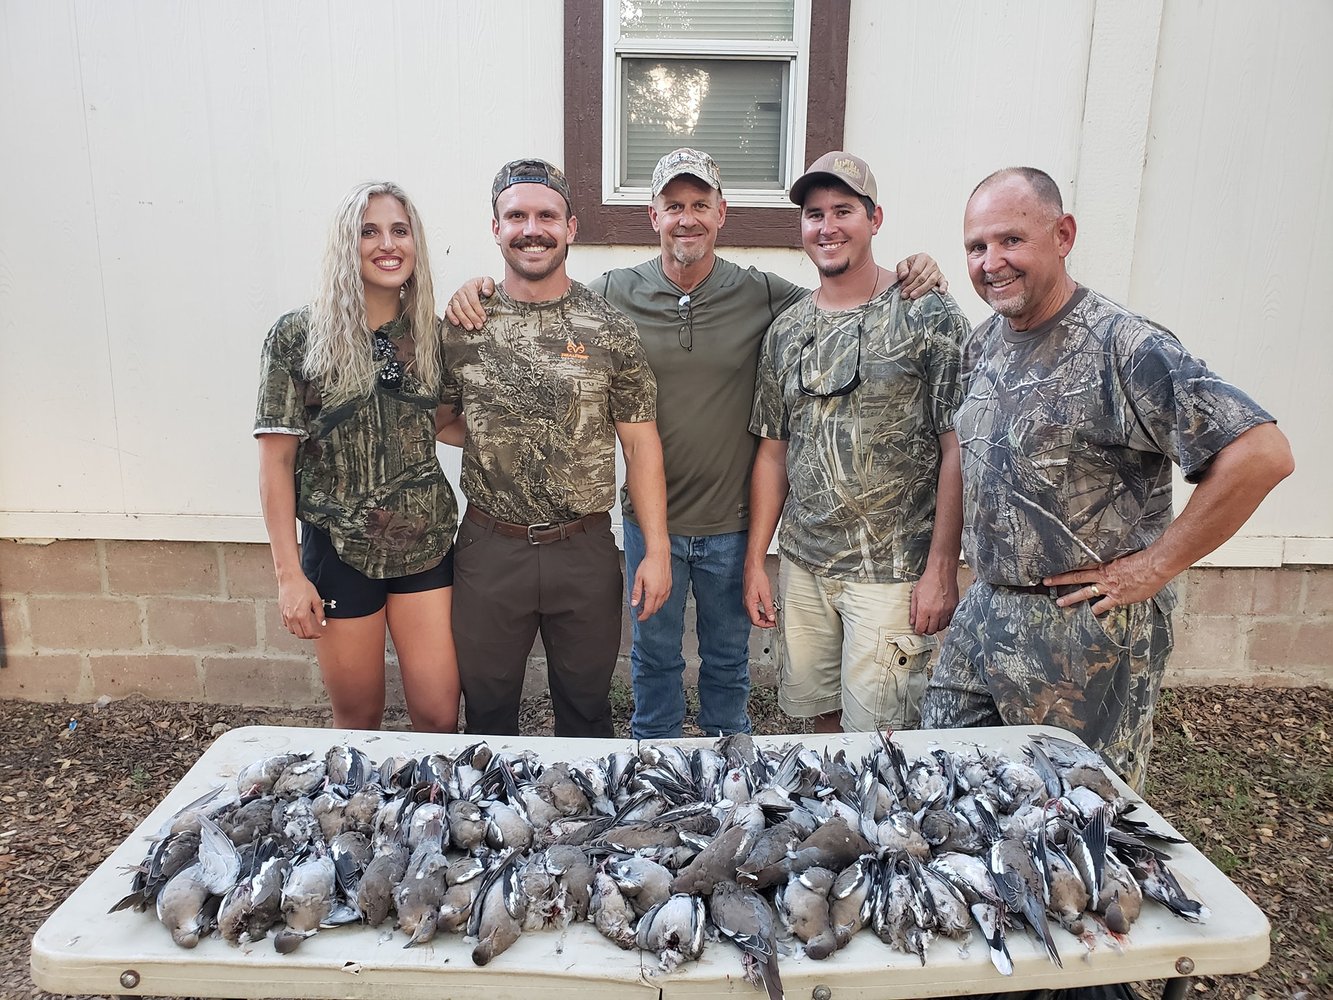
{"points": [[533, 241], [990, 279]]}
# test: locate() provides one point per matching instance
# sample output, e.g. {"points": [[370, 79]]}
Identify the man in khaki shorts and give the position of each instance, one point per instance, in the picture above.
{"points": [[854, 404]]}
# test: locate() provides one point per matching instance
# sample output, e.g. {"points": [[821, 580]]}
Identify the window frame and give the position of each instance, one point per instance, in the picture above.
{"points": [[794, 53], [589, 78]]}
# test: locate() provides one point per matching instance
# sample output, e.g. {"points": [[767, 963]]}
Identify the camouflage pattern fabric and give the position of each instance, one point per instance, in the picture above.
{"points": [[1068, 433], [1016, 658], [864, 466], [542, 385], [366, 471]]}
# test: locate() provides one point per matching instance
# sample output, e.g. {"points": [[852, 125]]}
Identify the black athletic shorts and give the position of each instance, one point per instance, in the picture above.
{"points": [[349, 593]]}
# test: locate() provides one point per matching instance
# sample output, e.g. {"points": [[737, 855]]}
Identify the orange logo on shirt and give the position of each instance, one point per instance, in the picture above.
{"points": [[573, 349]]}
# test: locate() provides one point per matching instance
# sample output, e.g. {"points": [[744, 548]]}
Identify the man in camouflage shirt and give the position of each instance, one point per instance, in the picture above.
{"points": [[854, 404], [1075, 410], [546, 387]]}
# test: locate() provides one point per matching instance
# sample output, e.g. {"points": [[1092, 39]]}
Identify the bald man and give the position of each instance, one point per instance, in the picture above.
{"points": [[1075, 410]]}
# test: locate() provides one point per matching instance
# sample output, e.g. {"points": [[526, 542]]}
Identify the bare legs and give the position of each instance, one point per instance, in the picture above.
{"points": [[351, 659]]}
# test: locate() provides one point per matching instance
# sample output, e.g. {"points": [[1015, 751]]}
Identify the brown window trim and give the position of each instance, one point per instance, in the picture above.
{"points": [[628, 224]]}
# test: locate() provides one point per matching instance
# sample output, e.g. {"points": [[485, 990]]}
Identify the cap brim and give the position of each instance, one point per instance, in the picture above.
{"points": [[804, 182], [687, 172]]}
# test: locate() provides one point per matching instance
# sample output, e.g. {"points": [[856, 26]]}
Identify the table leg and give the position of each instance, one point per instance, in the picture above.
{"points": [[1175, 988]]}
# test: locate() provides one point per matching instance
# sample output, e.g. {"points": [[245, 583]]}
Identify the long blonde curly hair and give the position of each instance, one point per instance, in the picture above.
{"points": [[339, 355]]}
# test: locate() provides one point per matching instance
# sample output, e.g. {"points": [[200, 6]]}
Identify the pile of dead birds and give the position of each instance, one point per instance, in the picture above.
{"points": [[659, 846]]}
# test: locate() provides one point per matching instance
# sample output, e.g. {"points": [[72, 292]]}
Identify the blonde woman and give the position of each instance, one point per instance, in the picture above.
{"points": [[351, 389]]}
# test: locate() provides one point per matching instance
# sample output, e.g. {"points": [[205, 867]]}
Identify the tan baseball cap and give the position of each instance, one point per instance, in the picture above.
{"points": [[839, 166], [694, 162]]}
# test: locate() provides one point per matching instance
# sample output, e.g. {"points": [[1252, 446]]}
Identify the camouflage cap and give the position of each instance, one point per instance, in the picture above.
{"points": [[531, 172], [841, 167], [686, 161]]}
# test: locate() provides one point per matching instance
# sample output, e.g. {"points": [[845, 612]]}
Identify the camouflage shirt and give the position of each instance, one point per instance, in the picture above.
{"points": [[1068, 432], [542, 385], [863, 467], [366, 471]]}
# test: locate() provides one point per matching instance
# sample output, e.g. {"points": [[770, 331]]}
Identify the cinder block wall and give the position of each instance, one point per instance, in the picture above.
{"points": [[199, 621]]}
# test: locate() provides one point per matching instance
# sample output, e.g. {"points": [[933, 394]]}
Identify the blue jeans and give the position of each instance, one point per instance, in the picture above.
{"points": [[713, 566]]}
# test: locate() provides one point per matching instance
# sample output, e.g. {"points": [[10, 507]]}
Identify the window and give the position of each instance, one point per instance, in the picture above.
{"points": [[760, 86]]}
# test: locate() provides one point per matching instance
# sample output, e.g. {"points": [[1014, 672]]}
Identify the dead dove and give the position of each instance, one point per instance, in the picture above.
{"points": [[187, 905], [307, 900], [803, 905], [745, 916], [850, 899], [498, 910], [673, 930], [611, 913], [644, 882], [715, 863], [374, 893], [417, 898]]}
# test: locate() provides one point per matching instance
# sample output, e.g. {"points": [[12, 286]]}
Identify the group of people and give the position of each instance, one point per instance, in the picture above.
{"points": [[864, 422]]}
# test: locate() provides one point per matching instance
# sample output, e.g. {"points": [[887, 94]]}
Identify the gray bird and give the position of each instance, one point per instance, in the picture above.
{"points": [[575, 873], [611, 913], [417, 898], [715, 863], [187, 905], [1020, 886], [259, 777], [300, 777], [768, 861], [673, 930], [803, 905], [359, 815], [246, 822], [374, 893], [329, 808], [165, 858], [850, 899], [834, 846], [467, 825], [972, 878], [643, 881], [507, 828], [746, 918], [307, 901], [566, 794], [428, 825], [498, 910]]}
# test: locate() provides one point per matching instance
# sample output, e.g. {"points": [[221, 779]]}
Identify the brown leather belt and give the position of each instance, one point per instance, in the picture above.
{"points": [[537, 534], [1044, 591]]}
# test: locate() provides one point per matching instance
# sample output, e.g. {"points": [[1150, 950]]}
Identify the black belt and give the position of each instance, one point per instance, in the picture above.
{"points": [[1036, 588], [537, 534]]}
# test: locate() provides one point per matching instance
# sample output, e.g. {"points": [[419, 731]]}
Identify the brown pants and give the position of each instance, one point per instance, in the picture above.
{"points": [[505, 592]]}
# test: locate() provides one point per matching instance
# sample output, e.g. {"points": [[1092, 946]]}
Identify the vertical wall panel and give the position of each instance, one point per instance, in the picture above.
{"points": [[942, 93], [60, 450], [1235, 240]]}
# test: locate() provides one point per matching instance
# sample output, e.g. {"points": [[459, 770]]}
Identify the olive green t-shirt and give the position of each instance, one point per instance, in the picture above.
{"points": [[705, 367]]}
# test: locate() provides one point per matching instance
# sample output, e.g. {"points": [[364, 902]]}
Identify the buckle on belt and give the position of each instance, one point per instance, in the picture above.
{"points": [[543, 526]]}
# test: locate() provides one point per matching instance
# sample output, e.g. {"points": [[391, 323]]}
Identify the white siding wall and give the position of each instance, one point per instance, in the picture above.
{"points": [[169, 169]]}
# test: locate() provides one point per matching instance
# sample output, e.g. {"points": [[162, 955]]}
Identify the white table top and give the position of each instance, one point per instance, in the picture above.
{"points": [[83, 949]]}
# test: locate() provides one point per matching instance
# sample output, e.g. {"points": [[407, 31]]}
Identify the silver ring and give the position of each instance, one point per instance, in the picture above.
{"points": [[1096, 591]]}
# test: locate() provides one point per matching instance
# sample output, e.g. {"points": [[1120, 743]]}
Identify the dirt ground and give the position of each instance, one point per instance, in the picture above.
{"points": [[1246, 773]]}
